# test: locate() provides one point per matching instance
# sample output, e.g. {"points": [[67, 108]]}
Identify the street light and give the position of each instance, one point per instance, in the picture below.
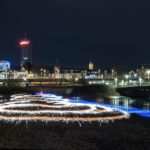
{"points": [[148, 73], [140, 81], [116, 81], [122, 83], [24, 79], [127, 78]]}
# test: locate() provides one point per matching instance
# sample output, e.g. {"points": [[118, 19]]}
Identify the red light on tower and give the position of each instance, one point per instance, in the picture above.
{"points": [[26, 53], [24, 43]]}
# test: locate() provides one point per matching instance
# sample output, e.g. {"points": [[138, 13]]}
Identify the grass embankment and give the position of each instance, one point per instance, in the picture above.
{"points": [[119, 135]]}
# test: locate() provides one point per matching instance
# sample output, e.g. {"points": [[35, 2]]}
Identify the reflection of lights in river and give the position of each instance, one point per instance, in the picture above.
{"points": [[50, 107], [129, 105]]}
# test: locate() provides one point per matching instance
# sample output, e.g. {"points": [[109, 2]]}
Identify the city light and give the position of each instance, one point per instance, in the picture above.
{"points": [[148, 73]]}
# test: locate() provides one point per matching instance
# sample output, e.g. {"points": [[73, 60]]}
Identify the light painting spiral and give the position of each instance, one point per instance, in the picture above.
{"points": [[49, 107]]}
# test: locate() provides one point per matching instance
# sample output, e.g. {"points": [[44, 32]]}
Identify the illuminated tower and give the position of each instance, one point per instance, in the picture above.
{"points": [[26, 53], [91, 66]]}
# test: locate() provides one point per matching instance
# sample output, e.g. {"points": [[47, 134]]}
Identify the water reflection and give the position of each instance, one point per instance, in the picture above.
{"points": [[128, 102], [120, 101], [133, 106], [141, 107]]}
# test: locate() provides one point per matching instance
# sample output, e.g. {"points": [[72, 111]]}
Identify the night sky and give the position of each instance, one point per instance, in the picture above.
{"points": [[76, 31]]}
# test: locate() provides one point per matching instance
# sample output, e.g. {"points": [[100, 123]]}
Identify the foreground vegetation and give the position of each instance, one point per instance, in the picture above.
{"points": [[119, 135]]}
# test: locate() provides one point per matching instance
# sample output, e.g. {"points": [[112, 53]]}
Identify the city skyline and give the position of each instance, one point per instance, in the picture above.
{"points": [[76, 32], [75, 74]]}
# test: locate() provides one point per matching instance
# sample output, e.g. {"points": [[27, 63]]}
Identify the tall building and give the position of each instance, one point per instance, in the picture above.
{"points": [[56, 72], [26, 53], [91, 66]]}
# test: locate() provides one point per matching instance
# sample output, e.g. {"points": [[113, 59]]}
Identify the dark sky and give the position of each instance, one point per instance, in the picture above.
{"points": [[76, 31]]}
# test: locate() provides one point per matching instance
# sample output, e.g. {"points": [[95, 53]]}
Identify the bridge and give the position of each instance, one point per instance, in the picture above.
{"points": [[120, 83], [62, 83]]}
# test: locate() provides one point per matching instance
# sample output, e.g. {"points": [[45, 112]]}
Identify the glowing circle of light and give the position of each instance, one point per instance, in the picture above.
{"points": [[53, 108]]}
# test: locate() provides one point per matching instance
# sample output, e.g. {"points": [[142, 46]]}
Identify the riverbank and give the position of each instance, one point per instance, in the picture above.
{"points": [[119, 135]]}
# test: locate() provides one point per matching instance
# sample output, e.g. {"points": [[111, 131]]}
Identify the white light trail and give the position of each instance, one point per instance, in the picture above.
{"points": [[50, 107]]}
